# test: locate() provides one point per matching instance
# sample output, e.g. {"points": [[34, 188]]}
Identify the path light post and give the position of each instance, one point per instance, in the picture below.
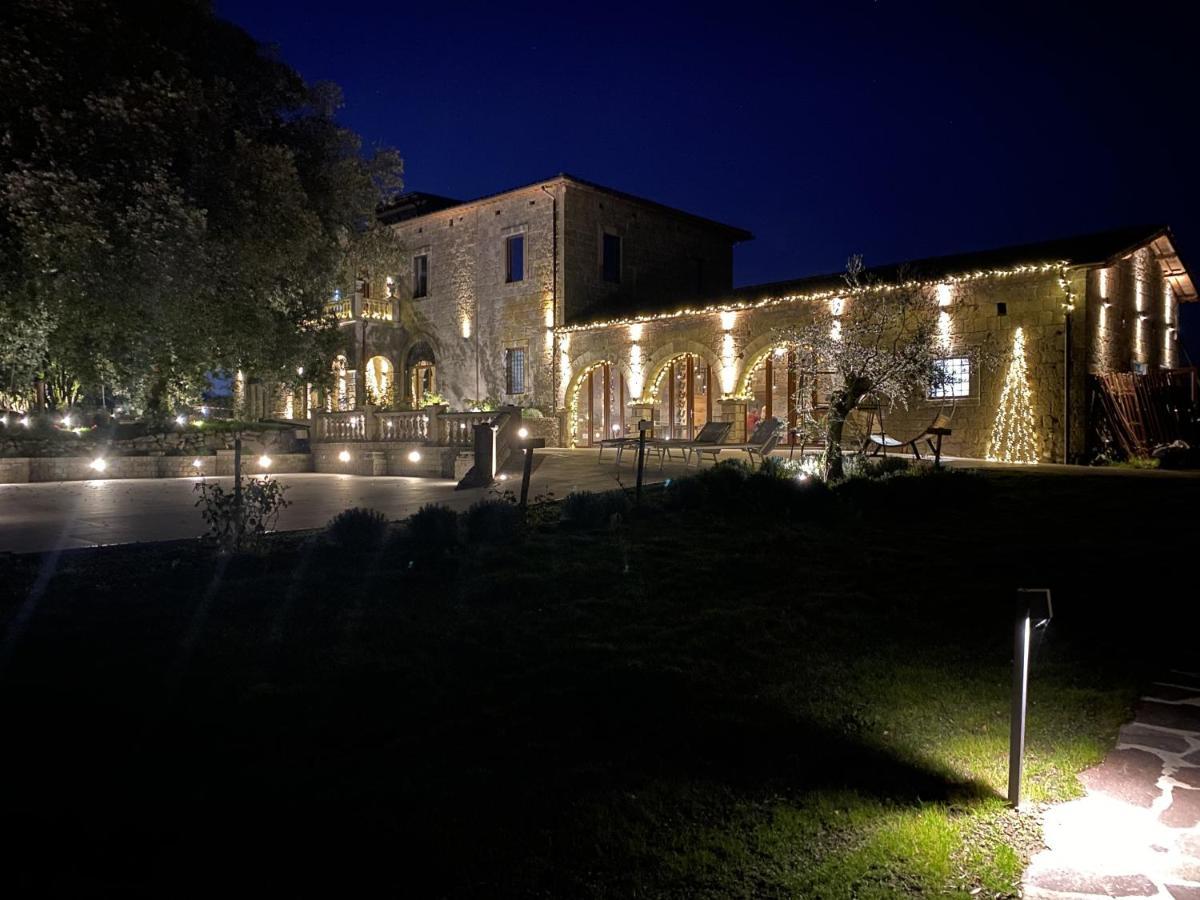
{"points": [[528, 445], [644, 425], [1033, 610]]}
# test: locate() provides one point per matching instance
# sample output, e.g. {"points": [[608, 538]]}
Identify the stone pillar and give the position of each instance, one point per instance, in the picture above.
{"points": [[433, 434], [370, 423], [733, 409]]}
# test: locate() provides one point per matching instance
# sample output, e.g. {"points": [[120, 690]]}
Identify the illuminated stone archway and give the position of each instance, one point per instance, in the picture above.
{"points": [[682, 387], [597, 398], [380, 381]]}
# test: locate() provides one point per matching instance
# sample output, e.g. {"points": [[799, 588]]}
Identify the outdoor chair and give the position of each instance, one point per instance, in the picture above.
{"points": [[880, 441], [710, 435], [760, 443], [617, 443]]}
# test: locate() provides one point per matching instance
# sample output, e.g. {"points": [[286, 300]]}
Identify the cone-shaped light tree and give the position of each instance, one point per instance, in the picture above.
{"points": [[1014, 437]]}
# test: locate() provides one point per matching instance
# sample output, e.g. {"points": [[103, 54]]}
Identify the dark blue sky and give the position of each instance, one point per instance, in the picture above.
{"points": [[897, 129]]}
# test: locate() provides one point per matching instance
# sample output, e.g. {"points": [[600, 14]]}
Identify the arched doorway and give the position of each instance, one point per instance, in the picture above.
{"points": [[422, 373], [380, 381], [598, 408], [794, 390], [683, 397]]}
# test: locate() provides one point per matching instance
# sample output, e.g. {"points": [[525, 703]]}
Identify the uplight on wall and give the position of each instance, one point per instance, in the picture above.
{"points": [[728, 320], [945, 295], [522, 433], [344, 456], [414, 456], [98, 464], [264, 462]]}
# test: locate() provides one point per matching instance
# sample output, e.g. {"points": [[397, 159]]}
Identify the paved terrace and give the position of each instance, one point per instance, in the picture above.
{"points": [[35, 517]]}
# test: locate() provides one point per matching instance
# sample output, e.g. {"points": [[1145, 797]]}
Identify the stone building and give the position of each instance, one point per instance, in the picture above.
{"points": [[600, 308], [473, 315]]}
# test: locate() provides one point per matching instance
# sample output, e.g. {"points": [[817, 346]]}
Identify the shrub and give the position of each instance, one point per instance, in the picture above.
{"points": [[433, 529], [235, 528], [357, 529], [586, 509], [493, 522]]}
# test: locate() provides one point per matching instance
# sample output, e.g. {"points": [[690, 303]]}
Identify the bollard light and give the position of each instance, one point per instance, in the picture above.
{"points": [[1033, 610]]}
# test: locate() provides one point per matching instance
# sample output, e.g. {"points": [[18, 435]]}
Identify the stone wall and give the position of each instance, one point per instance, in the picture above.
{"points": [[22, 470], [184, 442], [666, 257], [1132, 316], [471, 315], [391, 458], [982, 315]]}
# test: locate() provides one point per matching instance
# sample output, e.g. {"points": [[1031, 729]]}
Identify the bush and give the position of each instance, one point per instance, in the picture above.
{"points": [[918, 490], [493, 522], [234, 528], [357, 529], [878, 467], [586, 509], [433, 530]]}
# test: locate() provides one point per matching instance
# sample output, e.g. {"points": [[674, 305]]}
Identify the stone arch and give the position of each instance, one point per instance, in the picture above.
{"points": [[662, 357], [420, 351], [581, 366], [753, 355], [380, 379]]}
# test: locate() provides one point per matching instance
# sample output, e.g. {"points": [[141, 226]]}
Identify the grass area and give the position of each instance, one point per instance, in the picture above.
{"points": [[708, 700]]}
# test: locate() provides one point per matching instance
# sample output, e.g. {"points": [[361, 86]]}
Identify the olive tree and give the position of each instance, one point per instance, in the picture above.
{"points": [[876, 340]]}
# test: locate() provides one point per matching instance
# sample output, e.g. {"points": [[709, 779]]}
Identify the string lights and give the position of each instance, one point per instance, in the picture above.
{"points": [[832, 294], [1014, 439]]}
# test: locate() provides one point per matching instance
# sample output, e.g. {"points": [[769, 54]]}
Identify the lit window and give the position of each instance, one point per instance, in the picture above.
{"points": [[612, 258], [420, 276], [514, 370], [514, 258], [953, 380]]}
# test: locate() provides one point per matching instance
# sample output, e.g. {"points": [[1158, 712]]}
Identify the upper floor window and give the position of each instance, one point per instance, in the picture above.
{"points": [[611, 258], [514, 258], [953, 379], [420, 276], [514, 370]]}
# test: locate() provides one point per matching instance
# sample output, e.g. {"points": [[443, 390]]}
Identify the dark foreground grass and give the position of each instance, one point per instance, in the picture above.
{"points": [[693, 704]]}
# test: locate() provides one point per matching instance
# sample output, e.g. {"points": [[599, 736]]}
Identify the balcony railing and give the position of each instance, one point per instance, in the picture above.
{"points": [[433, 425], [349, 309]]}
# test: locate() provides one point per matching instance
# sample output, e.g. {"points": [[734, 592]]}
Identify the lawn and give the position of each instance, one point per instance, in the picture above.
{"points": [[712, 697]]}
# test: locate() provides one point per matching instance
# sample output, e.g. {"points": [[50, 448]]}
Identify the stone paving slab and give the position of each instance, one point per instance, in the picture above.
{"points": [[1136, 831]]}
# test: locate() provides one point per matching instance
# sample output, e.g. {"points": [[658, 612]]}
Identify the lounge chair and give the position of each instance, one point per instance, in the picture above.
{"points": [[938, 428], [710, 435], [760, 443]]}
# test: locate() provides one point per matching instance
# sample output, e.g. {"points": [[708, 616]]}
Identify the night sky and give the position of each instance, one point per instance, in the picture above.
{"points": [[892, 129]]}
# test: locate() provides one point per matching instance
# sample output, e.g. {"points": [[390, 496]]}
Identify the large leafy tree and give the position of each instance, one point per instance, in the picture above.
{"points": [[173, 200]]}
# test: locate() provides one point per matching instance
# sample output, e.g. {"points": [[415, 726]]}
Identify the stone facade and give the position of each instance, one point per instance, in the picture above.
{"points": [[603, 348], [471, 314], [1125, 315]]}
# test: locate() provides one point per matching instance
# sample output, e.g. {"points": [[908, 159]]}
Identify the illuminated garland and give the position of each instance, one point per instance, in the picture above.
{"points": [[1014, 438], [962, 278], [573, 400]]}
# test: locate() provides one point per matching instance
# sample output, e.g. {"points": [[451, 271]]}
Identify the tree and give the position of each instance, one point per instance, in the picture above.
{"points": [[174, 200], [877, 340]]}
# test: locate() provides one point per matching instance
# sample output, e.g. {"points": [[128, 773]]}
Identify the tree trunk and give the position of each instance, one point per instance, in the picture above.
{"points": [[835, 425]]}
